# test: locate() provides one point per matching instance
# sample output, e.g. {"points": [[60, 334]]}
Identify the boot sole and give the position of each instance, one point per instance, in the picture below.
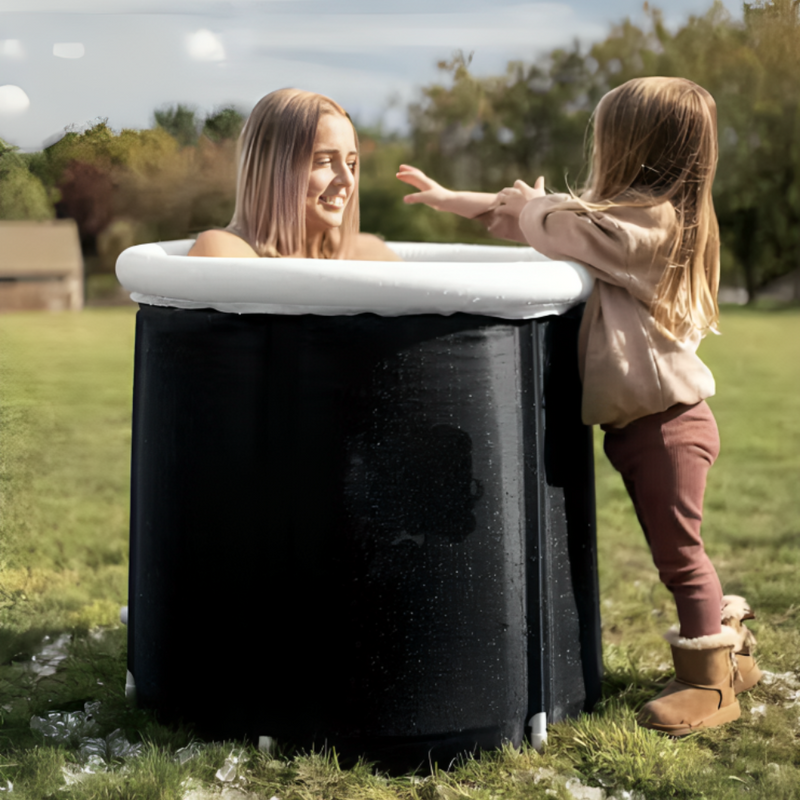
{"points": [[720, 717]]}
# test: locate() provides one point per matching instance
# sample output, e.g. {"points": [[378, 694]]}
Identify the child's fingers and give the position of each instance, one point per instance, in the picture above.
{"points": [[407, 170], [418, 197], [529, 192], [415, 177], [504, 195], [415, 181]]}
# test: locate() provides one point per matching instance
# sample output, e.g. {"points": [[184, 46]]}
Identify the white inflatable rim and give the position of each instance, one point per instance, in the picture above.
{"points": [[494, 281]]}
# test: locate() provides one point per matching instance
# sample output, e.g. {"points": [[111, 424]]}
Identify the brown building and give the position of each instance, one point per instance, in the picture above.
{"points": [[41, 265]]}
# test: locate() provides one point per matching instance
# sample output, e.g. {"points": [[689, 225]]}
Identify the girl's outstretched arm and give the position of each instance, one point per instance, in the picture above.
{"points": [[465, 204], [498, 213]]}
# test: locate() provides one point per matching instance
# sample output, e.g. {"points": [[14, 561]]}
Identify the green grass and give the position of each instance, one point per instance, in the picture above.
{"points": [[65, 393], [65, 426]]}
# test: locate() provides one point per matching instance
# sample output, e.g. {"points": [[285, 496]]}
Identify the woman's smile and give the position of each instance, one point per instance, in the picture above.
{"points": [[337, 201]]}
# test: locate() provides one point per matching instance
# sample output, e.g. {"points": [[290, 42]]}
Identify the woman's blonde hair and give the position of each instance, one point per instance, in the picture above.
{"points": [[275, 152], [655, 140]]}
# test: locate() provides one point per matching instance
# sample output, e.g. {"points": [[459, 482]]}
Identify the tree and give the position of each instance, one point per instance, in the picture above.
{"points": [[22, 194], [180, 122], [135, 186], [484, 133], [224, 124], [758, 192], [383, 211], [752, 70], [86, 196]]}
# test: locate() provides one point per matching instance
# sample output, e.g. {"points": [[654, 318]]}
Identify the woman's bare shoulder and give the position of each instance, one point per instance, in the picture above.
{"points": [[221, 244], [368, 247]]}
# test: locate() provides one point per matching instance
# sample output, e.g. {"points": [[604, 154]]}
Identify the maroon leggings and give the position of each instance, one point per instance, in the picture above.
{"points": [[663, 459]]}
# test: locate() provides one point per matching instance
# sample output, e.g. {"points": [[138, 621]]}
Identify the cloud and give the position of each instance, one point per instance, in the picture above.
{"points": [[69, 50], [203, 45], [12, 48], [13, 100]]}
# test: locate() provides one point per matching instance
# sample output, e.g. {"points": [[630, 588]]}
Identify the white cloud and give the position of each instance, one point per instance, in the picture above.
{"points": [[69, 50], [12, 48], [13, 100], [203, 45]]}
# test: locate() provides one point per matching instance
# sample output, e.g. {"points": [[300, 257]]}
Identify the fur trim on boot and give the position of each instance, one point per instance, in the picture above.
{"points": [[701, 695], [734, 611]]}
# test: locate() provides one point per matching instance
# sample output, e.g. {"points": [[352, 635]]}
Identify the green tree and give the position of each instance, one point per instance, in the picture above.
{"points": [[484, 133], [752, 70], [383, 211], [180, 122], [22, 194], [134, 186], [758, 189], [226, 123]]}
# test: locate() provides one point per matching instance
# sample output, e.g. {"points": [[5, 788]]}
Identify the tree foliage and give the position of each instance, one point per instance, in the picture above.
{"points": [[382, 208], [135, 186], [468, 132], [224, 124], [22, 194], [484, 133], [180, 122]]}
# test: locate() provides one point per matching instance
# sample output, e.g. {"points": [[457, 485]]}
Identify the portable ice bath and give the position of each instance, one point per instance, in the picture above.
{"points": [[362, 499]]}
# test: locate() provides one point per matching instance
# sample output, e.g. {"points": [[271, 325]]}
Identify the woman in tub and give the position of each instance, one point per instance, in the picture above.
{"points": [[297, 186]]}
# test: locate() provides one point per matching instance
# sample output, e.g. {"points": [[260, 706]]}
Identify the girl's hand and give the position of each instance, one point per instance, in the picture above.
{"points": [[465, 204], [512, 200], [430, 193]]}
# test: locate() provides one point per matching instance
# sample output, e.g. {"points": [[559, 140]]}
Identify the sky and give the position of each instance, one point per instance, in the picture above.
{"points": [[68, 63]]}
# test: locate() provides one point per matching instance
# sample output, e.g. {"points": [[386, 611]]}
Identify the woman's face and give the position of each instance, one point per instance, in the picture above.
{"points": [[332, 180]]}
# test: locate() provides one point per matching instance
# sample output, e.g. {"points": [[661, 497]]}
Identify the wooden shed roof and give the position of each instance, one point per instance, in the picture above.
{"points": [[51, 247]]}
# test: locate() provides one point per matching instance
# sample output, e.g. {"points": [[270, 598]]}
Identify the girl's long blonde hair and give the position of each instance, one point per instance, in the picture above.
{"points": [[275, 152], [655, 140]]}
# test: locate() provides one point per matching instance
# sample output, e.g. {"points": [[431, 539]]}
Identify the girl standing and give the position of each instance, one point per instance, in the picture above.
{"points": [[645, 228]]}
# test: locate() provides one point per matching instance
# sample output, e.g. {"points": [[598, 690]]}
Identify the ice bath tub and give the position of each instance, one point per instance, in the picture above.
{"points": [[362, 499]]}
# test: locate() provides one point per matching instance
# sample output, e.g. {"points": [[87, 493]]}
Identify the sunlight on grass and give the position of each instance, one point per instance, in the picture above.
{"points": [[65, 464], [65, 397]]}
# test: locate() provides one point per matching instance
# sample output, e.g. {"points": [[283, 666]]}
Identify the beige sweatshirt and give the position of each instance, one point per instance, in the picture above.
{"points": [[628, 367]]}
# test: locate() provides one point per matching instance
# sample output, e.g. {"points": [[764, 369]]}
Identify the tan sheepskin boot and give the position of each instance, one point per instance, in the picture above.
{"points": [[735, 611], [701, 695]]}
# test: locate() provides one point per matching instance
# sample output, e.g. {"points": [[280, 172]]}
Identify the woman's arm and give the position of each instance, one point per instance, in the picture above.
{"points": [[221, 244]]}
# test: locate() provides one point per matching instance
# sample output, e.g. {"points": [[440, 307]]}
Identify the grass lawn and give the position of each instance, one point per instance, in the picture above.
{"points": [[65, 393]]}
